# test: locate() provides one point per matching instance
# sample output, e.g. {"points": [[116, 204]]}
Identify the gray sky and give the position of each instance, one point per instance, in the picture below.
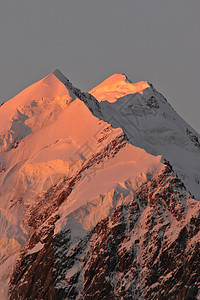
{"points": [[88, 40]]}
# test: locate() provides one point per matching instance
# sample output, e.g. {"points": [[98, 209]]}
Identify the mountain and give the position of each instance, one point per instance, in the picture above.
{"points": [[99, 194]]}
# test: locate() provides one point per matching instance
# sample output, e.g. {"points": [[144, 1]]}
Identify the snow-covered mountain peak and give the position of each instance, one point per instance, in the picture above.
{"points": [[49, 86], [60, 76], [31, 109], [151, 123], [115, 164], [116, 86]]}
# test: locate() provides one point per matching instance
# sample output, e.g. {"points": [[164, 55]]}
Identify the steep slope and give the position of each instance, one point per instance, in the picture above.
{"points": [[146, 248], [151, 123], [18, 116], [51, 138], [89, 205]]}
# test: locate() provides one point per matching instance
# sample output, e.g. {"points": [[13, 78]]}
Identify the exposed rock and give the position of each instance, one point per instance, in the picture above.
{"points": [[146, 249]]}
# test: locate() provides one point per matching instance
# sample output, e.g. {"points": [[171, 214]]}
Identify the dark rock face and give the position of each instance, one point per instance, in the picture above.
{"points": [[87, 98], [147, 265], [193, 138], [37, 273], [145, 249], [152, 102]]}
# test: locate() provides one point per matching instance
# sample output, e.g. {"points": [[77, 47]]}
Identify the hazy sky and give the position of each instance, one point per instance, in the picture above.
{"points": [[88, 40]]}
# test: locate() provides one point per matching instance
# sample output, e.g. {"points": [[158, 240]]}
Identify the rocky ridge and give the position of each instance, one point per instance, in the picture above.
{"points": [[147, 248], [103, 203]]}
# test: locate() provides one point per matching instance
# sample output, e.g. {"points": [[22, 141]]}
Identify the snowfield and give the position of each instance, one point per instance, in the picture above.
{"points": [[105, 144]]}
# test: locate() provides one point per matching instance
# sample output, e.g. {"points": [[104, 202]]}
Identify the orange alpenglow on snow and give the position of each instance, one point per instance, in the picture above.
{"points": [[48, 87], [117, 86], [65, 154]]}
